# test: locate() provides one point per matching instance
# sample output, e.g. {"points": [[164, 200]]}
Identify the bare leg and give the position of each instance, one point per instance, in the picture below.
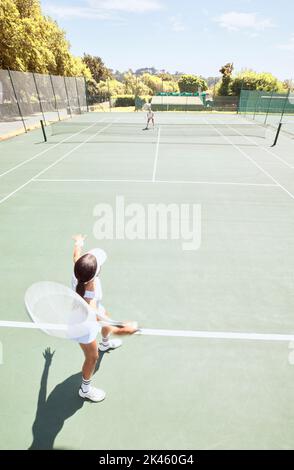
{"points": [[91, 356]]}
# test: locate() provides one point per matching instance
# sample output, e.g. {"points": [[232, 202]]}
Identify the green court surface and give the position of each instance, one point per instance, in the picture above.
{"points": [[163, 392]]}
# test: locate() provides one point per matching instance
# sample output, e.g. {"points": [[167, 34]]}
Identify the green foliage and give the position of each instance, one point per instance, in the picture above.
{"points": [[34, 43], [135, 85], [250, 80], [152, 82], [10, 31], [96, 66], [111, 87], [124, 101], [165, 76], [94, 93], [28, 8], [158, 83], [191, 84], [224, 88]]}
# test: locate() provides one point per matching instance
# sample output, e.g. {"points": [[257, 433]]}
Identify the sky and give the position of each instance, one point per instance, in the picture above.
{"points": [[188, 36]]}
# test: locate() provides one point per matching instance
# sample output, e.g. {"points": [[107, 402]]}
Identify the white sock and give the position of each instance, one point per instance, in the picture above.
{"points": [[105, 340], [85, 386]]}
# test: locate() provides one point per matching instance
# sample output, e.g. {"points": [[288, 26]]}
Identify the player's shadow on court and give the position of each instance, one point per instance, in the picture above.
{"points": [[52, 411]]}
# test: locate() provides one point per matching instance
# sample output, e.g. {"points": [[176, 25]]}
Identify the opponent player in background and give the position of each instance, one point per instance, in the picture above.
{"points": [[150, 118]]}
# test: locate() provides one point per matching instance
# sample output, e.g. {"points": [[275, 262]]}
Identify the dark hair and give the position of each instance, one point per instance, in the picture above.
{"points": [[85, 270]]}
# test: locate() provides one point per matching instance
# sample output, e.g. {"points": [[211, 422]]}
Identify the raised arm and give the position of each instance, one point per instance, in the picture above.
{"points": [[79, 243]]}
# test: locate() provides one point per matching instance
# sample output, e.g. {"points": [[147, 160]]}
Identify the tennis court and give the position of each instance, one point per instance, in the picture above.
{"points": [[219, 391]]}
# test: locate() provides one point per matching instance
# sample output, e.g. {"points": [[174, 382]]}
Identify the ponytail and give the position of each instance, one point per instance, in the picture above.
{"points": [[85, 270], [80, 289]]}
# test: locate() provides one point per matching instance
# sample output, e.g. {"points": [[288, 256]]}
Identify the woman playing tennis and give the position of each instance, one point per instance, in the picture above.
{"points": [[150, 117], [87, 284]]}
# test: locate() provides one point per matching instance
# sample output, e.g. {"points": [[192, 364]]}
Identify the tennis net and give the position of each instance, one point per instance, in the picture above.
{"points": [[78, 130]]}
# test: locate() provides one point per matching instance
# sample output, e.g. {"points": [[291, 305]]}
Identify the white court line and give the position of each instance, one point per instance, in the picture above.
{"points": [[46, 150], [53, 164], [32, 326], [47, 180], [169, 333], [156, 155], [254, 162], [217, 335], [270, 152]]}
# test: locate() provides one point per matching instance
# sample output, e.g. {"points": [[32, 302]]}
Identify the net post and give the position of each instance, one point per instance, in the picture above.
{"points": [[17, 102], [55, 99], [38, 94], [43, 130], [277, 134]]}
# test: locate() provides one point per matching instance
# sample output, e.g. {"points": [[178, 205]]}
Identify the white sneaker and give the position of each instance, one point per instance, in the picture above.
{"points": [[112, 344], [94, 394]]}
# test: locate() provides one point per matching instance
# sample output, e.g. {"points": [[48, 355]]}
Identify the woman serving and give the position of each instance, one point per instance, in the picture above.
{"points": [[87, 284]]}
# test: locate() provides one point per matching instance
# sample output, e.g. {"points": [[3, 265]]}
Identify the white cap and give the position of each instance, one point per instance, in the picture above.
{"points": [[100, 256]]}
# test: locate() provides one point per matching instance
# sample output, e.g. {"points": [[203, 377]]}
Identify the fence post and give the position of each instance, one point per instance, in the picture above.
{"points": [[37, 90], [56, 105], [79, 104], [17, 102], [285, 104], [109, 96], [269, 106], [86, 95], [257, 102], [240, 98], [68, 103]]}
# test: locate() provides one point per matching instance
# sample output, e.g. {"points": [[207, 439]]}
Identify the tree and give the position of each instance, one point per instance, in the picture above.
{"points": [[191, 83], [158, 83], [28, 8], [135, 86], [165, 76], [288, 84], [10, 35], [226, 71], [96, 65], [31, 42], [110, 87], [250, 80], [153, 82]]}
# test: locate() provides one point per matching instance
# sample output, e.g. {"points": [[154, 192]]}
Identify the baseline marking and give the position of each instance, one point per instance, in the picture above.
{"points": [[169, 333], [54, 180]]}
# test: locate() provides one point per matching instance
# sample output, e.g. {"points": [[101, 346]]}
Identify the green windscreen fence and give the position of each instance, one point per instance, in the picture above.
{"points": [[266, 107]]}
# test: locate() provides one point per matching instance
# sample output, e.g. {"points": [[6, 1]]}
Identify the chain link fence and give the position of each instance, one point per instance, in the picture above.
{"points": [[26, 98]]}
